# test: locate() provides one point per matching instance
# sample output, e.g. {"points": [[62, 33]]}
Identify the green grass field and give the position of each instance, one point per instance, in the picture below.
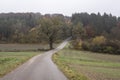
{"points": [[83, 65], [11, 60]]}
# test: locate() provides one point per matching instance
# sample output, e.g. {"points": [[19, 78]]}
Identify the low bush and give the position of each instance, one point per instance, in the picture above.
{"points": [[98, 40], [85, 46], [77, 44], [98, 44]]}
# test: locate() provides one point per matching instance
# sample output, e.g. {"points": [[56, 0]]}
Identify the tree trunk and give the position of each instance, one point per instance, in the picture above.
{"points": [[51, 43]]}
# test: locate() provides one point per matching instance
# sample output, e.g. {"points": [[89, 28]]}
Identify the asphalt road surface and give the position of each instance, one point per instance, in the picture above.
{"points": [[39, 67]]}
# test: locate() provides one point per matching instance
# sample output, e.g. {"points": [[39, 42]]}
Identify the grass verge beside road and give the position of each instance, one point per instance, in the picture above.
{"points": [[83, 65], [11, 60], [65, 67]]}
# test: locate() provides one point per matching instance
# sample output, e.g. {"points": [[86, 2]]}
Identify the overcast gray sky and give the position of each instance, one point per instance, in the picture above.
{"points": [[66, 7]]}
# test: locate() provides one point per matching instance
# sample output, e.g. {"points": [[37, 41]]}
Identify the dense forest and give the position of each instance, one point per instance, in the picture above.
{"points": [[98, 33], [93, 32], [33, 28]]}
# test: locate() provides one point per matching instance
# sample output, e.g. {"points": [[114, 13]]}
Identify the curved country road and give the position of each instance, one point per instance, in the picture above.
{"points": [[39, 67]]}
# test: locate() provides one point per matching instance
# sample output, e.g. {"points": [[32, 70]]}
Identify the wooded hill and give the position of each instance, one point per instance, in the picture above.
{"points": [[99, 30]]}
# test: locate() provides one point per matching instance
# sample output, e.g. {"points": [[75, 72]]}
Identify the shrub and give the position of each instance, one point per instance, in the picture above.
{"points": [[77, 44], [99, 40], [109, 49], [96, 48], [118, 51], [85, 45], [98, 44], [113, 44], [112, 47]]}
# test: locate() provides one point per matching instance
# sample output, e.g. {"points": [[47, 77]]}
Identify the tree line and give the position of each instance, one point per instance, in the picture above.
{"points": [[93, 32]]}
